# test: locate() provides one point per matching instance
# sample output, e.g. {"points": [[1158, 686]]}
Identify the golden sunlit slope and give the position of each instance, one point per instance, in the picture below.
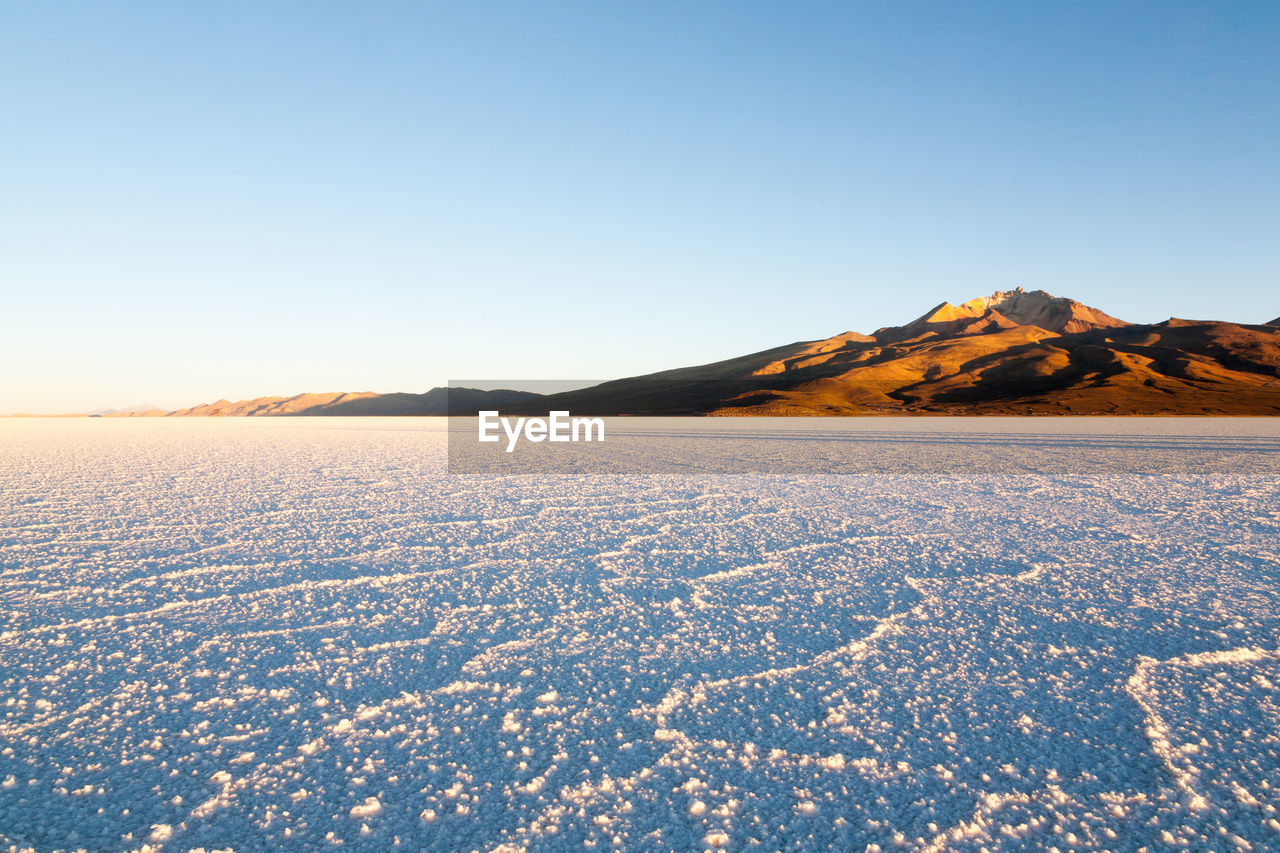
{"points": [[1009, 353], [264, 406]]}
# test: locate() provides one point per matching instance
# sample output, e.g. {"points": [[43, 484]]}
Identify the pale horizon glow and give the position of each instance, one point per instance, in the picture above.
{"points": [[233, 201]]}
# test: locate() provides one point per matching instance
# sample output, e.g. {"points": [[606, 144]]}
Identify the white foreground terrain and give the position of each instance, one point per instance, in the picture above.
{"points": [[297, 633]]}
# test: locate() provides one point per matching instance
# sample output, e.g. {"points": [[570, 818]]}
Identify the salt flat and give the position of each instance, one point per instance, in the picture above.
{"points": [[291, 633]]}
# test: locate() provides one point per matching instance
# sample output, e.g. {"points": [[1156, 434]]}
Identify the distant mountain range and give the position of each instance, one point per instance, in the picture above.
{"points": [[437, 401], [1010, 353], [128, 411]]}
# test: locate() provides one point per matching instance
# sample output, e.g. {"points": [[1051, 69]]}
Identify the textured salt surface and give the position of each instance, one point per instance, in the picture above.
{"points": [[295, 633]]}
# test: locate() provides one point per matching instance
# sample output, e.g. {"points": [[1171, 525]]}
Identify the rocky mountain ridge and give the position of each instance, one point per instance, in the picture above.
{"points": [[1013, 352]]}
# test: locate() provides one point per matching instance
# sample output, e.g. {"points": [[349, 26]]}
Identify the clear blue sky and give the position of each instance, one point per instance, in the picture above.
{"points": [[232, 199]]}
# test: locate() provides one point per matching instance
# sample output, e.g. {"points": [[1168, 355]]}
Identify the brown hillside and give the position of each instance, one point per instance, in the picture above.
{"points": [[266, 406], [1008, 353]]}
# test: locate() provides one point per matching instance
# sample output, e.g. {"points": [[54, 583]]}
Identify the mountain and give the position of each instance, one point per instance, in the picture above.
{"points": [[269, 406], [437, 401], [1004, 310], [142, 410], [1013, 352]]}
